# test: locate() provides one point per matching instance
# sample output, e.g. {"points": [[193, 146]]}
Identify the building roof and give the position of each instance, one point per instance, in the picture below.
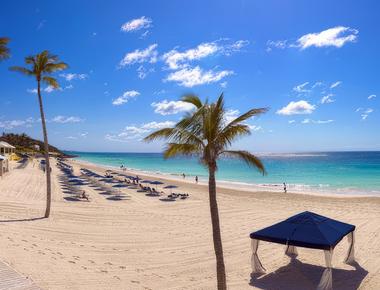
{"points": [[4, 144], [306, 229]]}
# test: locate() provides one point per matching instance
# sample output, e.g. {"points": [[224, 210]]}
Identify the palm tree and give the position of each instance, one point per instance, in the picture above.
{"points": [[42, 66], [207, 134], [4, 50]]}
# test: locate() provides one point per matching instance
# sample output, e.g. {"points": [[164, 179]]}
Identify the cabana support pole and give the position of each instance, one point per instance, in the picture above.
{"points": [[291, 251], [350, 258], [257, 267], [326, 280]]}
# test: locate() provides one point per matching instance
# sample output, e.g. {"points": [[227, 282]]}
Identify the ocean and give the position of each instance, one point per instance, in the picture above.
{"points": [[322, 172]]}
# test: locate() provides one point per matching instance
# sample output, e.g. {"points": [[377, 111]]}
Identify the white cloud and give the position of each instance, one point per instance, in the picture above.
{"points": [[231, 115], [224, 84], [175, 59], [144, 35], [136, 24], [291, 121], [366, 113], [125, 97], [32, 91], [336, 36], [47, 89], [142, 72], [140, 56], [297, 108], [73, 76], [10, 124], [166, 107], [327, 99], [255, 128], [64, 120], [280, 44], [136, 132], [371, 97], [317, 84], [190, 77], [301, 88], [310, 121], [336, 84]]}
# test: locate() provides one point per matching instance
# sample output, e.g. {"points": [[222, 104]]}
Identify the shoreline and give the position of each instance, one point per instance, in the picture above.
{"points": [[222, 184]]}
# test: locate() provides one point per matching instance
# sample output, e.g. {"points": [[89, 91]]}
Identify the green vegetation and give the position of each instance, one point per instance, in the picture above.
{"points": [[42, 65], [26, 144], [207, 134]]}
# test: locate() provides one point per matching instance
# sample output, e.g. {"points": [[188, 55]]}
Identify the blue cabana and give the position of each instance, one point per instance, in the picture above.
{"points": [[308, 230]]}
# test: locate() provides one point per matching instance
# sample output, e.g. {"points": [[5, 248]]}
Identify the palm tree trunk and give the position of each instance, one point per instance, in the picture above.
{"points": [[46, 153], [220, 269]]}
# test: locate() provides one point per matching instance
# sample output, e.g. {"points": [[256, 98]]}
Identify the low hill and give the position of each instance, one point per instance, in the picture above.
{"points": [[24, 143]]}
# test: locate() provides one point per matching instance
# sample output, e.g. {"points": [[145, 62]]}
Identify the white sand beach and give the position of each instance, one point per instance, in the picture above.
{"points": [[142, 242]]}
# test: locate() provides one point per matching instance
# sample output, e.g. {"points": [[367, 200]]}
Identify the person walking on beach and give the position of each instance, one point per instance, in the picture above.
{"points": [[196, 179], [285, 190], [183, 175]]}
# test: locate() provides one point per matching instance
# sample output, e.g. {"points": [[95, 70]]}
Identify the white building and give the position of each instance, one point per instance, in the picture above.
{"points": [[6, 148]]}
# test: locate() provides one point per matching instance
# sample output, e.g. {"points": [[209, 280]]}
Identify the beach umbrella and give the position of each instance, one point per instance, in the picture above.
{"points": [[146, 181], [170, 187], [156, 182]]}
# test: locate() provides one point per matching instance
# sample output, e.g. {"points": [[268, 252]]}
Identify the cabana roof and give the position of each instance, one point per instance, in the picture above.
{"points": [[4, 144], [306, 229]]}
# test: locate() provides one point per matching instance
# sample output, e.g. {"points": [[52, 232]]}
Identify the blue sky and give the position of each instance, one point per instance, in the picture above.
{"points": [[313, 63]]}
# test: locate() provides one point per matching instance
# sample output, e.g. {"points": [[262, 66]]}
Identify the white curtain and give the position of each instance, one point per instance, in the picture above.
{"points": [[257, 267], [326, 281], [291, 251], [350, 258]]}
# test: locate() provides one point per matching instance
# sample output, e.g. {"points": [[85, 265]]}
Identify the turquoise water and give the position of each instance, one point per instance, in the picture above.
{"points": [[335, 172]]}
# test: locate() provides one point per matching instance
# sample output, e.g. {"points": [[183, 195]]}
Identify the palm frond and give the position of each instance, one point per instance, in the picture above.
{"points": [[53, 67], [22, 70], [164, 133], [192, 99], [51, 82], [248, 158], [4, 50], [177, 149], [247, 115], [230, 133]]}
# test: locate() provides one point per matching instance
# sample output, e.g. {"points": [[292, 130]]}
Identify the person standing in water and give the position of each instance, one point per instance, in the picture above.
{"points": [[196, 179], [183, 175], [285, 190]]}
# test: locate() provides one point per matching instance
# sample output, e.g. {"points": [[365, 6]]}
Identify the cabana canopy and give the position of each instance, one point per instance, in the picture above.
{"points": [[308, 230]]}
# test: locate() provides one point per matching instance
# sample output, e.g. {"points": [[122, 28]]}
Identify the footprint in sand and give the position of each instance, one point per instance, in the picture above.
{"points": [[122, 267], [84, 267], [134, 281], [91, 261], [117, 277], [72, 262], [108, 263]]}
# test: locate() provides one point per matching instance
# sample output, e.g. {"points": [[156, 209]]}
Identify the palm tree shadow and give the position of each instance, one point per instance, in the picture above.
{"points": [[22, 220], [297, 275]]}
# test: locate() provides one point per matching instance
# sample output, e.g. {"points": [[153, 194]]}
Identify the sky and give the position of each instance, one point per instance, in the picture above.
{"points": [[314, 64]]}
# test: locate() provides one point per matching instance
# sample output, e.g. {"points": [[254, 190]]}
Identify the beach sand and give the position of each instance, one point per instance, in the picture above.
{"points": [[145, 243]]}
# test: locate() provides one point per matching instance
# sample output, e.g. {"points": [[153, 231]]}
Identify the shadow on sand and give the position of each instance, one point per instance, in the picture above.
{"points": [[297, 275]]}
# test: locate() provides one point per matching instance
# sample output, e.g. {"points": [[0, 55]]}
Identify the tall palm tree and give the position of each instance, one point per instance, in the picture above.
{"points": [[207, 134], [42, 65], [4, 50]]}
